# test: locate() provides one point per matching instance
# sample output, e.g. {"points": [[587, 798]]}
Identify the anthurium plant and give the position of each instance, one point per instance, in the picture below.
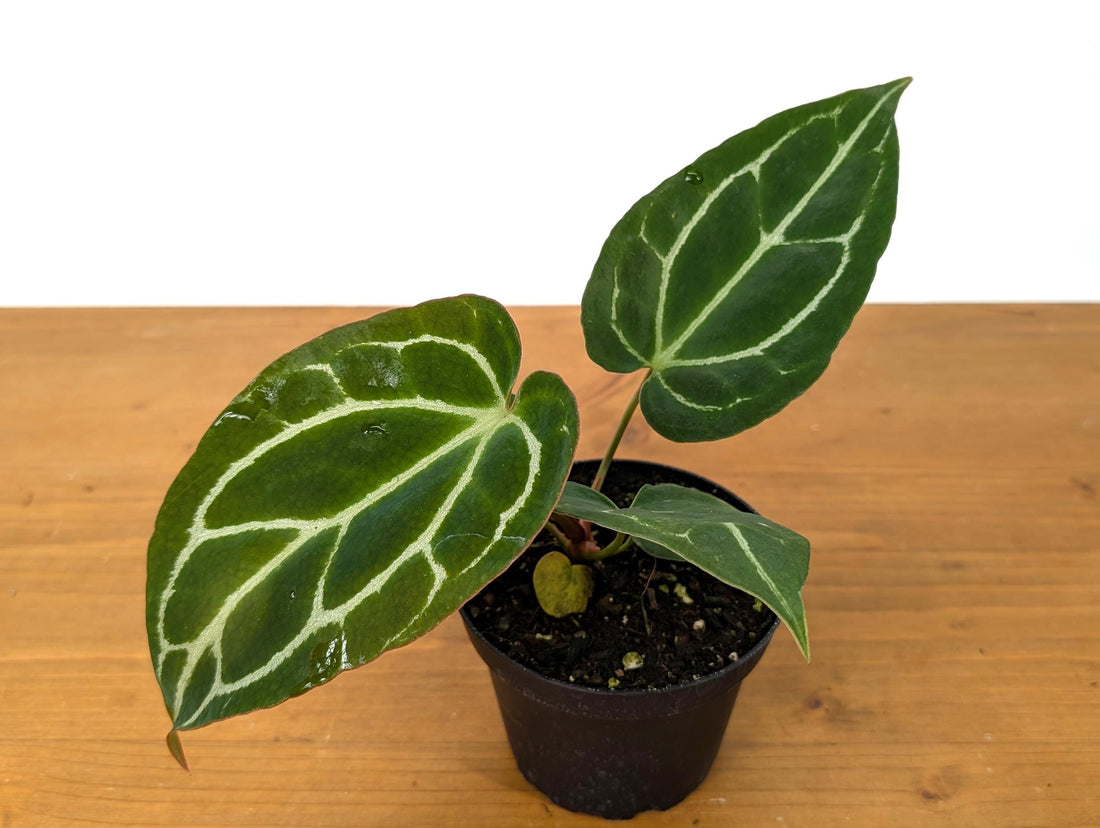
{"points": [[368, 483]]}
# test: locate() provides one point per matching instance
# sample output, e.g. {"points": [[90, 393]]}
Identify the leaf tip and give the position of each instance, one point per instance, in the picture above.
{"points": [[803, 642], [175, 747], [897, 88]]}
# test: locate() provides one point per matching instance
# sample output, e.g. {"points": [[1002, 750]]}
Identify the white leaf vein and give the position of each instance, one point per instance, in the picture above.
{"points": [[483, 423]]}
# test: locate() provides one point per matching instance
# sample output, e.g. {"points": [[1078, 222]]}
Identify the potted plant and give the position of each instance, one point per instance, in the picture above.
{"points": [[367, 484]]}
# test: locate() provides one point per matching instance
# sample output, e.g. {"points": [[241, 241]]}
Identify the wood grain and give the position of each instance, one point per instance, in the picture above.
{"points": [[946, 470]]}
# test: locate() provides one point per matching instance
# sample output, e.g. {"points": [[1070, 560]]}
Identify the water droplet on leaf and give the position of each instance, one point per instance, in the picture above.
{"points": [[324, 664], [692, 176]]}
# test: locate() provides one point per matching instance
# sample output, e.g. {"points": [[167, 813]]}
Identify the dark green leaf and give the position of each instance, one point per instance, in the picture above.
{"points": [[357, 492], [735, 279], [742, 549]]}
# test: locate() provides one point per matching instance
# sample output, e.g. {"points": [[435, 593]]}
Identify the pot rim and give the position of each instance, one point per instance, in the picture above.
{"points": [[717, 679]]}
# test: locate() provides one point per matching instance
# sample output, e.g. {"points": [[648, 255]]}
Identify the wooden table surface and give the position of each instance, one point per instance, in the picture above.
{"points": [[946, 470]]}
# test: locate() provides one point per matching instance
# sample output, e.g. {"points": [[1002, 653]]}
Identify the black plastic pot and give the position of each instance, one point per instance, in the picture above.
{"points": [[614, 753]]}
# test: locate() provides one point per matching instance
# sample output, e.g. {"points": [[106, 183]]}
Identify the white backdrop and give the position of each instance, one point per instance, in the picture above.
{"points": [[386, 153]]}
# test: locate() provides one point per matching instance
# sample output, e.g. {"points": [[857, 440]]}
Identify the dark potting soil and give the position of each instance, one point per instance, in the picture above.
{"points": [[683, 622]]}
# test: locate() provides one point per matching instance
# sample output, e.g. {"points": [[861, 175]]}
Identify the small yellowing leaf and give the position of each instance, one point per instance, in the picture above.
{"points": [[561, 586]]}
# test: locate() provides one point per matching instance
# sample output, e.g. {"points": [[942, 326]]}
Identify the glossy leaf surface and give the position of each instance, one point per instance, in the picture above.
{"points": [[744, 550], [357, 492], [735, 279]]}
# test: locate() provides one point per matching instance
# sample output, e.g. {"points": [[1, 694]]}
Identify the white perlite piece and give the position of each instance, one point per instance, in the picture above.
{"points": [[632, 661]]}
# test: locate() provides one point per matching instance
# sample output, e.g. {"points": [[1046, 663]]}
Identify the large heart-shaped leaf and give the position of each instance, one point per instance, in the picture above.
{"points": [[734, 280], [356, 493], [740, 548]]}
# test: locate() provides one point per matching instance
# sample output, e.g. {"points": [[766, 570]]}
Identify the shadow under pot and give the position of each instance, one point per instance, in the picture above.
{"points": [[617, 752]]}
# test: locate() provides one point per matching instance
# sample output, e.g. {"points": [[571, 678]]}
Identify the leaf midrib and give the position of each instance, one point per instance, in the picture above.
{"points": [[665, 357], [209, 639], [484, 419]]}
